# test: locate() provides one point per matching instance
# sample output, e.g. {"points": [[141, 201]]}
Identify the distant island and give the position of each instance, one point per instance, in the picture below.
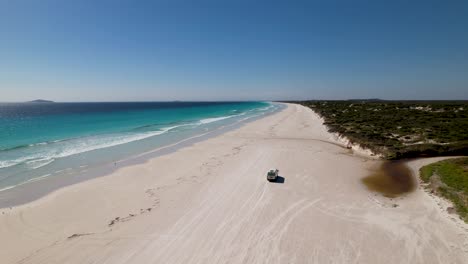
{"points": [[41, 101]]}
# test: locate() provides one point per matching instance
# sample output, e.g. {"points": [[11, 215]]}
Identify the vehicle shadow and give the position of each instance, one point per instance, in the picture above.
{"points": [[279, 179]]}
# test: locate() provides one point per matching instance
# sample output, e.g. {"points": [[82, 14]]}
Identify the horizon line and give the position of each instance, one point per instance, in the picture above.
{"points": [[233, 101]]}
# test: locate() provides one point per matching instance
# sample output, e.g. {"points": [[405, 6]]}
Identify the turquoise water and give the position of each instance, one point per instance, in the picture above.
{"points": [[41, 139]]}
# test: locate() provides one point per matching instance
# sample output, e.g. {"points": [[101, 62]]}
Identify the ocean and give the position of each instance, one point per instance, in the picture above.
{"points": [[39, 140]]}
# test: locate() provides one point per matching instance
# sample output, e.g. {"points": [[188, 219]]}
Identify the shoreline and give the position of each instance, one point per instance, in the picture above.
{"points": [[210, 202], [13, 196]]}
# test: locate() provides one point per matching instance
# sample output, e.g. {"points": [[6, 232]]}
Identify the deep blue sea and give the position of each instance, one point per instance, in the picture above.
{"points": [[38, 140]]}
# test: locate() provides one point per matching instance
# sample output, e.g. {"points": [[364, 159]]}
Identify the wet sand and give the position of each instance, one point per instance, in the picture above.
{"points": [[211, 203]]}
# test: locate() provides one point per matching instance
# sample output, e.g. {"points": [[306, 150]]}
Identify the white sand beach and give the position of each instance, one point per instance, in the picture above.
{"points": [[211, 203]]}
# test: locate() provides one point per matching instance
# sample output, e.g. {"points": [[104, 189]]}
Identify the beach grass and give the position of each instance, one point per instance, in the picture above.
{"points": [[449, 178]]}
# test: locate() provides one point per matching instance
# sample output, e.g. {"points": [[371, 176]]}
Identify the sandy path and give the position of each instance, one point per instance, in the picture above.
{"points": [[211, 203]]}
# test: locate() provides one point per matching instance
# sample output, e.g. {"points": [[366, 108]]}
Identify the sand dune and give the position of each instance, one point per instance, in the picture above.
{"points": [[211, 203]]}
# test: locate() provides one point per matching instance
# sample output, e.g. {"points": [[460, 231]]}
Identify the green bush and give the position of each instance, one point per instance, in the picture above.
{"points": [[406, 129], [453, 174]]}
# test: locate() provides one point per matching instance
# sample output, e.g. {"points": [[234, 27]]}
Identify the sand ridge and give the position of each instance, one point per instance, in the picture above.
{"points": [[211, 203]]}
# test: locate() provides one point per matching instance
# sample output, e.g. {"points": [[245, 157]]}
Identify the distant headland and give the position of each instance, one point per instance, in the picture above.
{"points": [[41, 101]]}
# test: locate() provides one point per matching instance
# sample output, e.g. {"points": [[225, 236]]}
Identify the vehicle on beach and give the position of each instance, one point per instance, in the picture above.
{"points": [[272, 175]]}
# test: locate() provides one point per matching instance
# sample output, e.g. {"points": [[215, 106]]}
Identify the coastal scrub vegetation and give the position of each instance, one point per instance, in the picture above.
{"points": [[449, 178], [399, 129]]}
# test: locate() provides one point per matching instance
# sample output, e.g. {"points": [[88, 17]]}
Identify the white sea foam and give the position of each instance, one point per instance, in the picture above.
{"points": [[28, 181], [44, 154], [38, 144], [38, 178], [8, 187], [213, 119], [37, 163], [7, 163], [99, 142], [13, 162]]}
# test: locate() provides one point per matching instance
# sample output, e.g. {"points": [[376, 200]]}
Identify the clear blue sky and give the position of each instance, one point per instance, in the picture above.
{"points": [[232, 50]]}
